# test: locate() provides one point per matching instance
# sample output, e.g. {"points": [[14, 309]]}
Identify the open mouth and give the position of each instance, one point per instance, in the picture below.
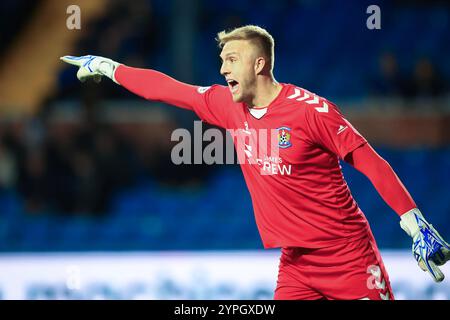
{"points": [[233, 85]]}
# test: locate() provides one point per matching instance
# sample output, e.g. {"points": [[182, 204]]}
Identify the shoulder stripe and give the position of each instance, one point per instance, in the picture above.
{"points": [[315, 100], [309, 98], [295, 94]]}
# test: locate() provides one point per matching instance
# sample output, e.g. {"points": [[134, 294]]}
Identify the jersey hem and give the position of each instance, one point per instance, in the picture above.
{"points": [[321, 244]]}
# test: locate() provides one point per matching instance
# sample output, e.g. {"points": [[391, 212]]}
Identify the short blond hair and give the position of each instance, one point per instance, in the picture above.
{"points": [[257, 35]]}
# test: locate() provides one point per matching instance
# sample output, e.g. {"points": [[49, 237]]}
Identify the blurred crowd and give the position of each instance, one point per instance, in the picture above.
{"points": [[424, 81], [78, 164], [64, 168]]}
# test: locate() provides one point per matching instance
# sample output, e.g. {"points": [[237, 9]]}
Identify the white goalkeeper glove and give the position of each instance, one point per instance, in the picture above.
{"points": [[92, 67], [429, 248]]}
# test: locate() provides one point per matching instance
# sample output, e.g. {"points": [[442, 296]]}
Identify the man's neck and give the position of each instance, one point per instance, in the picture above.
{"points": [[266, 91]]}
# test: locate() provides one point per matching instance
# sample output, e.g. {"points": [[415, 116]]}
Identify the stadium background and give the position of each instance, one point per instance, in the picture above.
{"points": [[91, 205]]}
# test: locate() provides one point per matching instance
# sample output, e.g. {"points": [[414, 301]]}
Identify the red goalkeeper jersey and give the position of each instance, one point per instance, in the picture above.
{"points": [[299, 195]]}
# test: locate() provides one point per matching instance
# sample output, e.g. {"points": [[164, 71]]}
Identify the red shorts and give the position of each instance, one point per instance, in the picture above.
{"points": [[349, 271]]}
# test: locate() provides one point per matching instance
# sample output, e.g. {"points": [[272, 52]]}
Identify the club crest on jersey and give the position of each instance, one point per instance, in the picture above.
{"points": [[284, 137]]}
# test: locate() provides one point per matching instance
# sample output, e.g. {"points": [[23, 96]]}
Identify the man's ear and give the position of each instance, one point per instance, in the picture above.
{"points": [[260, 64]]}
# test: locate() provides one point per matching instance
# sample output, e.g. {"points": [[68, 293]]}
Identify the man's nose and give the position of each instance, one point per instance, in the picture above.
{"points": [[223, 70]]}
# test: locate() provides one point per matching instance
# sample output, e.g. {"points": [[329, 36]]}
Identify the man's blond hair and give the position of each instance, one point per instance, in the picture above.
{"points": [[257, 35]]}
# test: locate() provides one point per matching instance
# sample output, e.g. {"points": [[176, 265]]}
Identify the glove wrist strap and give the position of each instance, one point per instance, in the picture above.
{"points": [[409, 221], [107, 68]]}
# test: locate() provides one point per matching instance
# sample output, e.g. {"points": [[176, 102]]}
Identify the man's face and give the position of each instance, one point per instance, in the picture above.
{"points": [[238, 68]]}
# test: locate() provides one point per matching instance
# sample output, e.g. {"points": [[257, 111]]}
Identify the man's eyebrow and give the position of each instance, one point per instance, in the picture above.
{"points": [[229, 54]]}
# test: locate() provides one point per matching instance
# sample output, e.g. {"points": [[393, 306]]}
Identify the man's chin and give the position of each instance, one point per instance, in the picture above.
{"points": [[237, 97]]}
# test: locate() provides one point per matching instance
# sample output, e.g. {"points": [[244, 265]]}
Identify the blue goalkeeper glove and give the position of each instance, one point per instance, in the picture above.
{"points": [[92, 67], [429, 248]]}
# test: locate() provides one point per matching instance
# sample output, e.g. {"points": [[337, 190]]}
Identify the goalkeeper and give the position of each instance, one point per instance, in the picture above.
{"points": [[301, 201]]}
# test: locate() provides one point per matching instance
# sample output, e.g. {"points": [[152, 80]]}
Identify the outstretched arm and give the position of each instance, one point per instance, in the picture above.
{"points": [[429, 248], [157, 86], [208, 102]]}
